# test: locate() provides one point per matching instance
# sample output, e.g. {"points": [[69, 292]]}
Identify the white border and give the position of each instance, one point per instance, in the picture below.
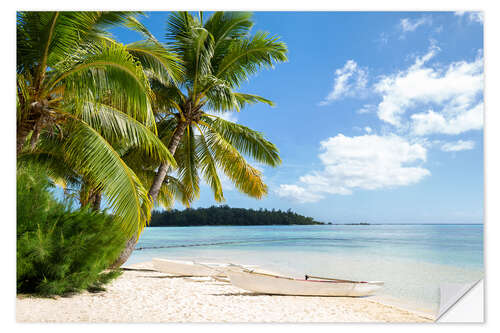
{"points": [[492, 147]]}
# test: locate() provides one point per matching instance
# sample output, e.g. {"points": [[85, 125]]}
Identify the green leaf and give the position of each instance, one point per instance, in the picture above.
{"points": [[105, 71], [115, 125], [245, 140], [89, 153], [157, 60]]}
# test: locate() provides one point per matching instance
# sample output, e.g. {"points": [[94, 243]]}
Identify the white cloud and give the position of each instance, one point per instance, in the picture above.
{"points": [[367, 108], [368, 129], [297, 193], [458, 146], [361, 162], [229, 116], [450, 91], [349, 81], [383, 38], [471, 16], [458, 122], [476, 17], [408, 25]]}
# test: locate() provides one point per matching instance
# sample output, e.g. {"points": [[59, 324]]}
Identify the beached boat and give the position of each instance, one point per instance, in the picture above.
{"points": [[310, 286], [192, 268], [188, 268]]}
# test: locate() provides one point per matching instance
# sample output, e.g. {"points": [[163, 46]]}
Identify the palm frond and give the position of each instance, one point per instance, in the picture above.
{"points": [[116, 126], [188, 161], [209, 168], [224, 27], [194, 45], [245, 178], [23, 96], [172, 190], [245, 140], [94, 158], [220, 96], [52, 162], [245, 99], [134, 24], [157, 60], [55, 35], [246, 56], [166, 97], [179, 27], [106, 71]]}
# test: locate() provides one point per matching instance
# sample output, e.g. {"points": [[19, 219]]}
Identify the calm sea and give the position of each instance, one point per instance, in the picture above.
{"points": [[412, 260]]}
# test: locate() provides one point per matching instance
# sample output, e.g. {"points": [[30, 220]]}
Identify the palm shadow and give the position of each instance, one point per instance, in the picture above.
{"points": [[138, 269]]}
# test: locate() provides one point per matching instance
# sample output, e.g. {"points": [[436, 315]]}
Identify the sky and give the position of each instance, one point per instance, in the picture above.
{"points": [[378, 116]]}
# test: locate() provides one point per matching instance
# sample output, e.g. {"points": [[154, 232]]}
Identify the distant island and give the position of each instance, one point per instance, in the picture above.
{"points": [[225, 215]]}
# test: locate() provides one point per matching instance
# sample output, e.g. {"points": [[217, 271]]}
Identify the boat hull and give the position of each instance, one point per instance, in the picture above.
{"points": [[187, 268], [267, 284]]}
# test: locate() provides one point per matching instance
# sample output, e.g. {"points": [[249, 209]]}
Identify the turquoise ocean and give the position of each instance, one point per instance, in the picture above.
{"points": [[412, 260]]}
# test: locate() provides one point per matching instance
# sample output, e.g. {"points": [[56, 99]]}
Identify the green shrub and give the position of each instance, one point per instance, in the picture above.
{"points": [[59, 249]]}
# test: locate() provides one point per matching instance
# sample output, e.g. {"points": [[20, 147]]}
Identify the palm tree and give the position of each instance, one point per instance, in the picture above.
{"points": [[79, 95], [217, 56], [62, 56]]}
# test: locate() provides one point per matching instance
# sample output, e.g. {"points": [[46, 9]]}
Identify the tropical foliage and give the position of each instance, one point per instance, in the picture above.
{"points": [[107, 120], [81, 98], [60, 250]]}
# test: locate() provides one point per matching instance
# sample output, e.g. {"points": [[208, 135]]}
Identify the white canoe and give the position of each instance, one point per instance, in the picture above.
{"points": [[188, 268], [280, 285], [192, 268]]}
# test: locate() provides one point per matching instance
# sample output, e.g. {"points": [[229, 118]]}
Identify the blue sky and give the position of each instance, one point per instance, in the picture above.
{"points": [[378, 117]]}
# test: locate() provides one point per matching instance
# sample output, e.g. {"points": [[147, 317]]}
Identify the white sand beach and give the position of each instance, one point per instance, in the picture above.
{"points": [[147, 296]]}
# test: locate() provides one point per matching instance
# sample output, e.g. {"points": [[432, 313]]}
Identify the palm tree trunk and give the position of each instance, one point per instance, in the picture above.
{"points": [[125, 254], [164, 168], [23, 130], [154, 190], [33, 122], [96, 201]]}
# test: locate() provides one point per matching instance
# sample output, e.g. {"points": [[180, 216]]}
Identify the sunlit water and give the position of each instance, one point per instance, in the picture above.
{"points": [[412, 260]]}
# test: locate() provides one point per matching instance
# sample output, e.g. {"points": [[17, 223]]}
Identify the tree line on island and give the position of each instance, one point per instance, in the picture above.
{"points": [[225, 215]]}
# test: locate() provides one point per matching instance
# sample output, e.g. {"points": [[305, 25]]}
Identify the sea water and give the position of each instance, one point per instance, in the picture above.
{"points": [[412, 260]]}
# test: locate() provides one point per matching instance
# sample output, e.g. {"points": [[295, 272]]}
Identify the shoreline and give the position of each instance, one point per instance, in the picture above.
{"points": [[391, 301], [144, 295]]}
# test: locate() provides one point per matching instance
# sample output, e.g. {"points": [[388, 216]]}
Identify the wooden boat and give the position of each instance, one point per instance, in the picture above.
{"points": [[192, 268], [310, 286]]}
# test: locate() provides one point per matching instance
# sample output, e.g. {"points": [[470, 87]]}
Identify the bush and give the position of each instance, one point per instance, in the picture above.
{"points": [[59, 249]]}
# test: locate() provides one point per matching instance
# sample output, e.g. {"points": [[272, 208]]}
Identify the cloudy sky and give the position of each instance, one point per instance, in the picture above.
{"points": [[378, 117]]}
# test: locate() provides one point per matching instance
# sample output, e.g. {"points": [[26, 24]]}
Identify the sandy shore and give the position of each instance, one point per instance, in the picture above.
{"points": [[149, 296]]}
